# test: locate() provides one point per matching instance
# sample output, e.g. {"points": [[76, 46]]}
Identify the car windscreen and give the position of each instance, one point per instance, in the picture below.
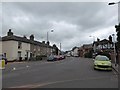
{"points": [[102, 58]]}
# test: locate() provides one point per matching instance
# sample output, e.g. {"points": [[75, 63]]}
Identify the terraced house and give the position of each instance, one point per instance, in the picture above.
{"points": [[16, 47]]}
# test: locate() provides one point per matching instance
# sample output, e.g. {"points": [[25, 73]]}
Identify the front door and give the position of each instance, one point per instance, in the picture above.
{"points": [[19, 55]]}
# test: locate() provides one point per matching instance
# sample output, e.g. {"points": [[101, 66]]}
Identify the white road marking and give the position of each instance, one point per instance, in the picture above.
{"points": [[54, 82]]}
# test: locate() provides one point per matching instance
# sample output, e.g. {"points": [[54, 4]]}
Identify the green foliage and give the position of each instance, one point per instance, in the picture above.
{"points": [[38, 57], [89, 54]]}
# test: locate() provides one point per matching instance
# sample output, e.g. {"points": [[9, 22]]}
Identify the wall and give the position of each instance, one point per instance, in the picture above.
{"points": [[25, 49], [11, 49], [75, 52]]}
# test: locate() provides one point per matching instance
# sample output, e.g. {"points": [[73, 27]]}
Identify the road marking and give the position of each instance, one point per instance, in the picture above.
{"points": [[14, 68], [114, 72], [27, 66], [54, 82]]}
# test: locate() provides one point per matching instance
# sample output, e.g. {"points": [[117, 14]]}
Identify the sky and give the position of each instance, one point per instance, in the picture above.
{"points": [[72, 23]]}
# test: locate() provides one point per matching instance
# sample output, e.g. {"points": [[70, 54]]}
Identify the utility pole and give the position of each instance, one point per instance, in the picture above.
{"points": [[114, 49], [60, 48], [48, 41], [94, 46]]}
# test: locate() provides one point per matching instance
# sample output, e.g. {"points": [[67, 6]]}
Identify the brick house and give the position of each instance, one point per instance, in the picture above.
{"points": [[84, 49]]}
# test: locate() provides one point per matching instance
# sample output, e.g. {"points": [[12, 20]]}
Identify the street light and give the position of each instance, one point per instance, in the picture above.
{"points": [[112, 3], [60, 48], [48, 40], [93, 43], [114, 48]]}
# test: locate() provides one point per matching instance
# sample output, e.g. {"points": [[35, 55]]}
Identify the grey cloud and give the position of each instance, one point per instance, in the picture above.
{"points": [[72, 22]]}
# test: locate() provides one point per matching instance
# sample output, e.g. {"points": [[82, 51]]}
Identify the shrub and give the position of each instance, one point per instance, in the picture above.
{"points": [[38, 57]]}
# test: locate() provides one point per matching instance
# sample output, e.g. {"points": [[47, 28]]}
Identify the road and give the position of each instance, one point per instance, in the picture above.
{"points": [[72, 72]]}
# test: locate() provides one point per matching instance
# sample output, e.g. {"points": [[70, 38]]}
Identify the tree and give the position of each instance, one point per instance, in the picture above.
{"points": [[118, 35]]}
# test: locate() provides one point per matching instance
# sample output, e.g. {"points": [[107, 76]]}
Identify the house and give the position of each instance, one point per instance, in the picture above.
{"points": [[68, 53], [85, 49], [16, 47], [103, 45], [75, 51]]}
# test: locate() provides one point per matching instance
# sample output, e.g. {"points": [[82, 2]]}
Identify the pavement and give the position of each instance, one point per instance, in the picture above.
{"points": [[116, 68]]}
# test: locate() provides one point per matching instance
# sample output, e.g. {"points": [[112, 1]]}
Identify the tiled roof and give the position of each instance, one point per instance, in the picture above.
{"points": [[23, 39]]}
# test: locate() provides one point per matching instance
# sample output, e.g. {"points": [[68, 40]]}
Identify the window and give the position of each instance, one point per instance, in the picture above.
{"points": [[102, 58], [19, 45]]}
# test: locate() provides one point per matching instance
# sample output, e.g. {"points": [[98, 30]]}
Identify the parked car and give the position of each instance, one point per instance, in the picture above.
{"points": [[57, 57], [3, 58], [102, 62], [51, 58], [62, 57]]}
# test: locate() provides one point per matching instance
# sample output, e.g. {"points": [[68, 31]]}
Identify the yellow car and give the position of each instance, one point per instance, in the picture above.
{"points": [[102, 62]]}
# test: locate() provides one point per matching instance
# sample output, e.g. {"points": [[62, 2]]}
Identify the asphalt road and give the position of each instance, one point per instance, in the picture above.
{"points": [[72, 72]]}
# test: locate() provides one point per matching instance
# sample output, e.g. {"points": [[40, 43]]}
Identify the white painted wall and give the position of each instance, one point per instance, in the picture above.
{"points": [[11, 49], [75, 52]]}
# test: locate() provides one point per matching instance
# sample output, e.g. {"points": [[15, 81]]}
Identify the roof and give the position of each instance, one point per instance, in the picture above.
{"points": [[75, 48], [23, 39], [104, 41], [87, 46]]}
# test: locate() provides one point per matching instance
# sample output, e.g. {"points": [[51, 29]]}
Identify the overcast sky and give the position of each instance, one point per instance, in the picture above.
{"points": [[72, 22]]}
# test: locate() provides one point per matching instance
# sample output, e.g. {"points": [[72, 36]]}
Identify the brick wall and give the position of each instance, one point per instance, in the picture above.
{"points": [[117, 58]]}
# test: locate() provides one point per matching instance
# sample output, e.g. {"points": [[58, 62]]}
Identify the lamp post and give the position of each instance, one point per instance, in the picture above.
{"points": [[112, 3], [94, 46], [60, 48], [48, 40], [114, 49]]}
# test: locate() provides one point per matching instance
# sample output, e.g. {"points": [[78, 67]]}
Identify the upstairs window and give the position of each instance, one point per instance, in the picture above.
{"points": [[19, 45]]}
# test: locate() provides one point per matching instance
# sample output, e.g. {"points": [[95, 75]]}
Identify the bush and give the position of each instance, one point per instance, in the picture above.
{"points": [[32, 59], [88, 55], [38, 57], [43, 55]]}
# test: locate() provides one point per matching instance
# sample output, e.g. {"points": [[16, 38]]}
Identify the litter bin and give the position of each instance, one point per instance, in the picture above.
{"points": [[2, 64]]}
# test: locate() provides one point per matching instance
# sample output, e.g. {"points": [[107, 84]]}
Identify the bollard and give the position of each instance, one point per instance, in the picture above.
{"points": [[2, 64]]}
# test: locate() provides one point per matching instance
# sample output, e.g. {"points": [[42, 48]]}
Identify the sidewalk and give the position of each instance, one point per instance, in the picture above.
{"points": [[116, 68]]}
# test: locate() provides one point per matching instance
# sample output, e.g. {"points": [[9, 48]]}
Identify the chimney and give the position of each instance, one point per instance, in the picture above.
{"points": [[110, 38], [98, 39], [48, 42], [24, 37], [32, 37], [43, 42], [9, 33]]}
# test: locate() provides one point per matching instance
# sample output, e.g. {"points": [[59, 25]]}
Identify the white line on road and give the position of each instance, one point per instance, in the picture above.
{"points": [[62, 81]]}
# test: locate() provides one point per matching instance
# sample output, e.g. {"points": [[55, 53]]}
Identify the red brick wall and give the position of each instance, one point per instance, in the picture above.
{"points": [[113, 59]]}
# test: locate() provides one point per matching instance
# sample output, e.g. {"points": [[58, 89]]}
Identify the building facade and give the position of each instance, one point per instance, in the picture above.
{"points": [[16, 47], [75, 52]]}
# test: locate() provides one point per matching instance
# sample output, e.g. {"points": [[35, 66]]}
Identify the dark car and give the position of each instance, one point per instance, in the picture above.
{"points": [[3, 58]]}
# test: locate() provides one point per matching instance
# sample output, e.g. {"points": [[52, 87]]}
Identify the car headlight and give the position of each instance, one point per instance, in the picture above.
{"points": [[109, 64], [95, 63]]}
